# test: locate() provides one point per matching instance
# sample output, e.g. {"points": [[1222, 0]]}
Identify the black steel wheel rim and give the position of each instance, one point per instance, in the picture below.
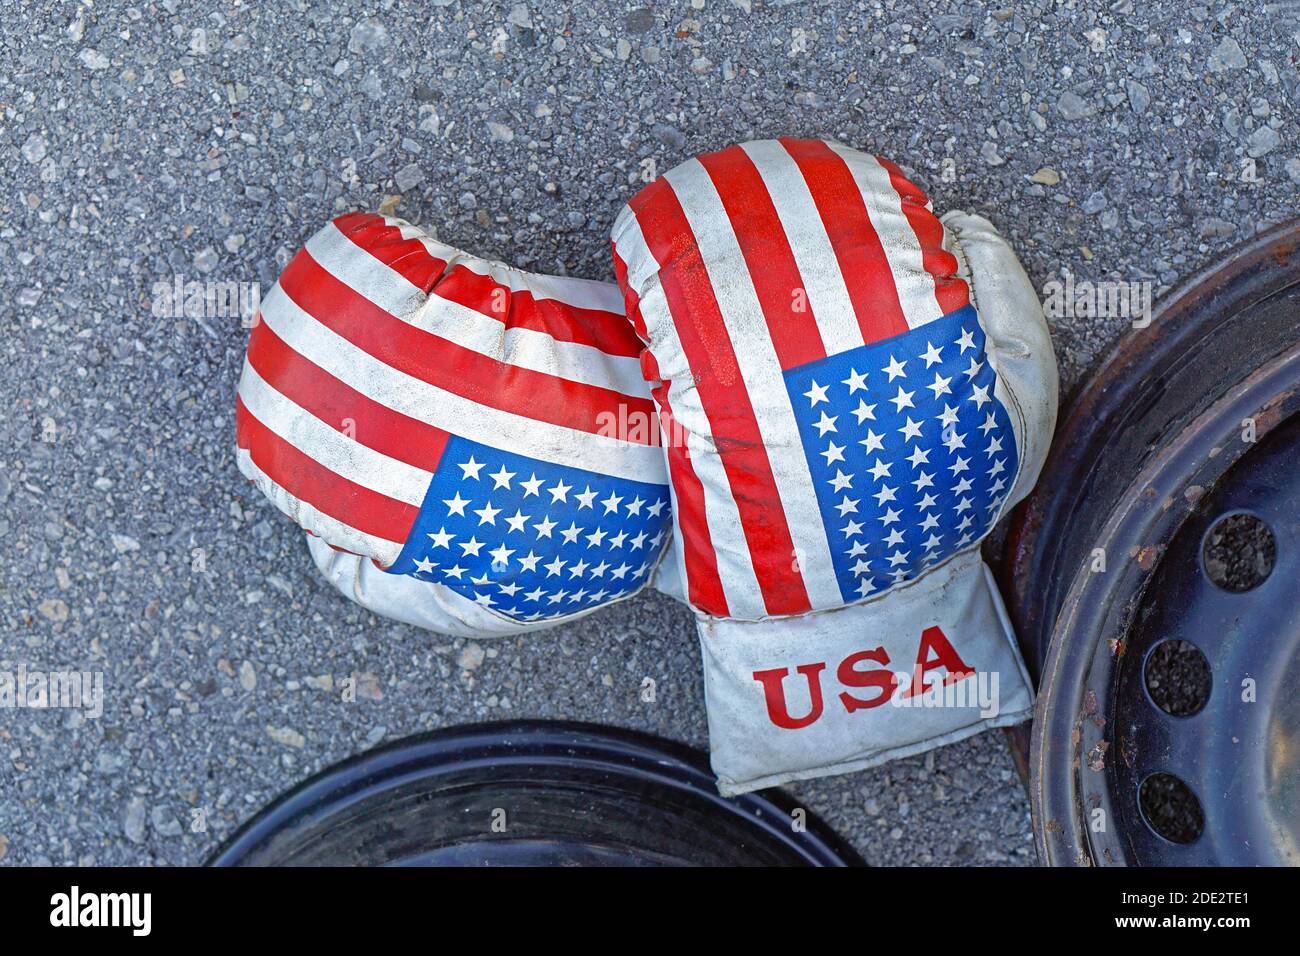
{"points": [[529, 793], [1189, 421]]}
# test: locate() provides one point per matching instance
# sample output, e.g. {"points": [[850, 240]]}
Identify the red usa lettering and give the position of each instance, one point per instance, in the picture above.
{"points": [[865, 672]]}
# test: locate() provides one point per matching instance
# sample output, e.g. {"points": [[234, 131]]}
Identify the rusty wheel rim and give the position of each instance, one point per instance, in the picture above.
{"points": [[1153, 453]]}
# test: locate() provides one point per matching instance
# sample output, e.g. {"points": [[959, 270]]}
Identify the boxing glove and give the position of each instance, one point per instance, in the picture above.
{"points": [[852, 394], [470, 448]]}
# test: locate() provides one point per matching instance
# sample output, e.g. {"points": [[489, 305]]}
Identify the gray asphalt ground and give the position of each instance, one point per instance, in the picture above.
{"points": [[208, 140]]}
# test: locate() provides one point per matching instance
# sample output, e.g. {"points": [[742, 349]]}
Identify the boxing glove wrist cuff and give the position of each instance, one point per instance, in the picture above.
{"points": [[928, 663]]}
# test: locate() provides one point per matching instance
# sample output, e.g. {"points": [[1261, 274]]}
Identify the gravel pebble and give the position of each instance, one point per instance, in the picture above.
{"points": [[1227, 56], [133, 821]]}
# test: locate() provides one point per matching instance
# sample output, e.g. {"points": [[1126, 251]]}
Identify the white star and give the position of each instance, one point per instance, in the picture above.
{"points": [[639, 541], [577, 569], [456, 505], [544, 527], [578, 595], [599, 596], [487, 514], [827, 424], [953, 439], [816, 394], [535, 595], [990, 423], [441, 539], [841, 480], [940, 385], [424, 566], [517, 521], [931, 542], [948, 416], [658, 506], [962, 486], [585, 499], [997, 486], [618, 539], [570, 534], [963, 505], [885, 493], [484, 599], [634, 506], [898, 557], [611, 503], [857, 549], [851, 529], [894, 369], [872, 442], [962, 464], [889, 517], [531, 486], [529, 562], [847, 506], [865, 587], [911, 429], [926, 480], [620, 571], [931, 521], [471, 469], [995, 446], [999, 465], [472, 546], [894, 538], [557, 597], [931, 354], [864, 411], [966, 522], [879, 470], [501, 555], [903, 400], [967, 341], [455, 572], [560, 492], [919, 456], [502, 478], [509, 590], [980, 396], [596, 537], [833, 453], [861, 567], [928, 501], [554, 568], [974, 368], [856, 381], [599, 570]]}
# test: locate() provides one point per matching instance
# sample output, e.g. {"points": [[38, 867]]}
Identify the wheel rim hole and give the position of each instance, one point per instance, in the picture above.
{"points": [[1170, 808], [1178, 678], [1239, 552]]}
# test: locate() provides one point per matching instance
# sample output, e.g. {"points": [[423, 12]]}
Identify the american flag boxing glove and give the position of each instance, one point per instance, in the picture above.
{"points": [[852, 394], [470, 448]]}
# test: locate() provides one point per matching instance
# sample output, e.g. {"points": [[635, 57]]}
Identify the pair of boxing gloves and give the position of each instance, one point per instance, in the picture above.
{"points": [[800, 409]]}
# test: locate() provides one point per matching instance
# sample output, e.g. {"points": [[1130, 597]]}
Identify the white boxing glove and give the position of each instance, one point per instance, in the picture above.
{"points": [[470, 448], [854, 395]]}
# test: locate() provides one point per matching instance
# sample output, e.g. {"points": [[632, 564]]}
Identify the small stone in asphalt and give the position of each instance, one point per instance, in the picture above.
{"points": [[1227, 56], [133, 823]]}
